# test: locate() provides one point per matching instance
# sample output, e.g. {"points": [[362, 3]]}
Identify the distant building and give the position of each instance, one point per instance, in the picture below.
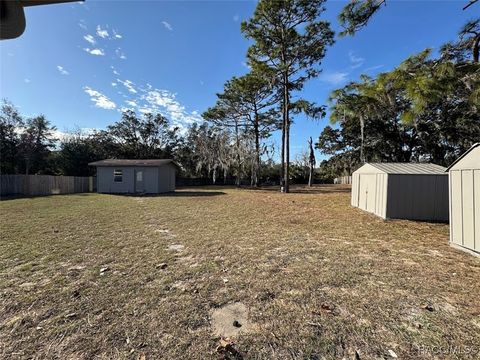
{"points": [[128, 176], [402, 191], [464, 175]]}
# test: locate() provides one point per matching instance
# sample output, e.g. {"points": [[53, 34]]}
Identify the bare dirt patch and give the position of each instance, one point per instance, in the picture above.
{"points": [[230, 320]]}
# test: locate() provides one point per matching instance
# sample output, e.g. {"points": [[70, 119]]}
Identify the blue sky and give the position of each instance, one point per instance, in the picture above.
{"points": [[80, 64]]}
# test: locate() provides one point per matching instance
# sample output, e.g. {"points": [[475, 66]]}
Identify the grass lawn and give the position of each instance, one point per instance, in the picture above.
{"points": [[306, 276]]}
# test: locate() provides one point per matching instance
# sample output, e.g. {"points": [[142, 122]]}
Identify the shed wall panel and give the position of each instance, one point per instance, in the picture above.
{"points": [[166, 179], [468, 209], [476, 198], [150, 176], [355, 184], [456, 207], [441, 209], [418, 197], [105, 183]]}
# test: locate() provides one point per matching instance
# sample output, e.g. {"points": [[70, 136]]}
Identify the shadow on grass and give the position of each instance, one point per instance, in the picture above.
{"points": [[299, 189], [19, 196], [181, 193]]}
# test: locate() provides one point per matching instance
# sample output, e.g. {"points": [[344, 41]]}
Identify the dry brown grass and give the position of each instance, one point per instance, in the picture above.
{"points": [[319, 278]]}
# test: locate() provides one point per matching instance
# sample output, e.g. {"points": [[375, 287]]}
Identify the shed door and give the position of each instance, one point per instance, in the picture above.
{"points": [[366, 194], [139, 185]]}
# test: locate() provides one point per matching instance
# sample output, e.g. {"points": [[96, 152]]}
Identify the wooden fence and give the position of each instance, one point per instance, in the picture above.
{"points": [[343, 180], [37, 185]]}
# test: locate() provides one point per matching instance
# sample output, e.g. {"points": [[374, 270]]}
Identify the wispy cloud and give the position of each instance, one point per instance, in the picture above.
{"points": [[116, 35], [83, 132], [131, 103], [114, 84], [62, 70], [129, 85], [115, 72], [373, 68], [120, 54], [26, 80], [167, 26], [97, 52], [103, 33], [355, 60], [334, 77], [82, 24], [165, 102], [90, 39], [100, 100]]}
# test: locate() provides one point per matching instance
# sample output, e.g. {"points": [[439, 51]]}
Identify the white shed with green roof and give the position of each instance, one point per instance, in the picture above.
{"points": [[414, 191]]}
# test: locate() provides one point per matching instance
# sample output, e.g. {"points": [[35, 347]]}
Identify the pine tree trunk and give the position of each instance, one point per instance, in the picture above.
{"points": [[282, 170], [311, 159], [256, 170], [362, 126], [286, 120], [476, 50], [237, 141]]}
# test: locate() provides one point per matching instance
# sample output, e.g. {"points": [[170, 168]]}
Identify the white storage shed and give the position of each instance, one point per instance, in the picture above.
{"points": [[464, 176], [411, 191]]}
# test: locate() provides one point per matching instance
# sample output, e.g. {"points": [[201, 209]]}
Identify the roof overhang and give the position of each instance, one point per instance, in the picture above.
{"points": [[134, 163], [13, 23], [462, 156]]}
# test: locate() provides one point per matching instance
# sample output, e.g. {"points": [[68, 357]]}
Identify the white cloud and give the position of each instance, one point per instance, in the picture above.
{"points": [[98, 52], [100, 100], [356, 61], [62, 70], [165, 102], [90, 39], [114, 84], [103, 33], [167, 26], [131, 103], [129, 85], [334, 78], [77, 131], [82, 24], [115, 72], [120, 54], [116, 35]]}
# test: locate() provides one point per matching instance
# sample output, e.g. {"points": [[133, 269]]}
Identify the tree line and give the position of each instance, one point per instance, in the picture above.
{"points": [[426, 109]]}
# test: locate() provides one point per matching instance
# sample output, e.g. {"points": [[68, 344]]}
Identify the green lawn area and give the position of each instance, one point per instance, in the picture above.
{"points": [[89, 275]]}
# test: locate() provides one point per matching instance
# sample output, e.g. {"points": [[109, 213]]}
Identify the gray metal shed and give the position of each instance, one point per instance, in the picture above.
{"points": [[402, 191], [464, 176], [120, 176]]}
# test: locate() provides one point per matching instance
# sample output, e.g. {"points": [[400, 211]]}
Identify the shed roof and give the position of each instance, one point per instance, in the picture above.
{"points": [[463, 156], [133, 162], [409, 168]]}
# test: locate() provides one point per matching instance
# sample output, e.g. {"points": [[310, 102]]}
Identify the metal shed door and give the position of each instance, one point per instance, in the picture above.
{"points": [[139, 187], [366, 194]]}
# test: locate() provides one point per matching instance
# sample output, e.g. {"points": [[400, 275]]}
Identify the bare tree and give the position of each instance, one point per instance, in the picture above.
{"points": [[311, 160]]}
